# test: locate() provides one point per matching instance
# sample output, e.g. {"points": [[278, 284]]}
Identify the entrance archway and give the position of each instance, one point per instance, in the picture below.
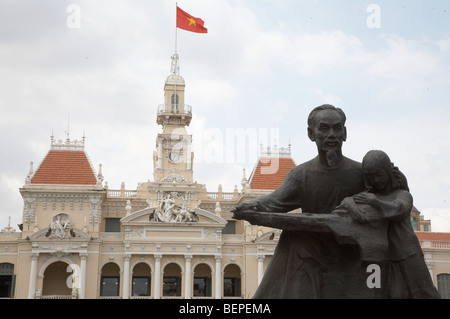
{"points": [[55, 280]]}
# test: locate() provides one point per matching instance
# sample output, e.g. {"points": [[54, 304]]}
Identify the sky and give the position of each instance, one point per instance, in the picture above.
{"points": [[97, 68]]}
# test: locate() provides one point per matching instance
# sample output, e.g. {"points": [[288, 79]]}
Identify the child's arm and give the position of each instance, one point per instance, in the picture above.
{"points": [[395, 209]]}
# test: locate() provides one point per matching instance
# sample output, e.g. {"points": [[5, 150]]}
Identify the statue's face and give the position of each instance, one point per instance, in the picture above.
{"points": [[377, 177], [328, 132]]}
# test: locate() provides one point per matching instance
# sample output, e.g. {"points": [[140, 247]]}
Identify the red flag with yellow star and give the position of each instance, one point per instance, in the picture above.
{"points": [[189, 23]]}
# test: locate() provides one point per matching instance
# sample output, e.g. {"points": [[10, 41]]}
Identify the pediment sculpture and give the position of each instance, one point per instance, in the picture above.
{"points": [[169, 212], [60, 227]]}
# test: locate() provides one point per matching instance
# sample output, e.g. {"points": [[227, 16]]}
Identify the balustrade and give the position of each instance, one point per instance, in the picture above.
{"points": [[435, 244]]}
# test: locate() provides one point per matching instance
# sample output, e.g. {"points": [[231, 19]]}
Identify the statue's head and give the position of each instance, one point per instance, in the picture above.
{"points": [[313, 114], [381, 174], [326, 127]]}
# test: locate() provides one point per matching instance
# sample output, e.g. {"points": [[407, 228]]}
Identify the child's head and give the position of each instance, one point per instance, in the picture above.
{"points": [[380, 174]]}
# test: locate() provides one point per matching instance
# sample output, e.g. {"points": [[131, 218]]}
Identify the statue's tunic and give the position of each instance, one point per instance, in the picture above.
{"points": [[304, 261]]}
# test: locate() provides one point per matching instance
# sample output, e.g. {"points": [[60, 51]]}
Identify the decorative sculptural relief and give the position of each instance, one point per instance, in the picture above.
{"points": [[169, 212], [60, 227]]}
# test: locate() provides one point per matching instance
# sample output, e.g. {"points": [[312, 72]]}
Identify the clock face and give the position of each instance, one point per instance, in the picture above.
{"points": [[174, 156]]}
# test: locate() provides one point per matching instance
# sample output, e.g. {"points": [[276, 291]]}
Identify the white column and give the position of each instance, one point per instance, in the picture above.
{"points": [[189, 155], [160, 153], [126, 277], [218, 292], [157, 285], [82, 291], [188, 278], [260, 259], [428, 257], [33, 274]]}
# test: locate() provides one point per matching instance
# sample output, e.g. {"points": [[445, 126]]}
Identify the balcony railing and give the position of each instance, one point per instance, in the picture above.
{"points": [[219, 195], [174, 109], [121, 193], [441, 244], [435, 244], [57, 297]]}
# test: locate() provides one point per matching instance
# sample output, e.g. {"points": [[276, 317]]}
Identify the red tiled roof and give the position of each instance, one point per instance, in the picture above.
{"points": [[270, 172], [433, 236], [65, 168]]}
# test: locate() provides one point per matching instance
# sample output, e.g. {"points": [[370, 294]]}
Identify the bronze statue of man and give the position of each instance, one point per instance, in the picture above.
{"points": [[304, 263]]}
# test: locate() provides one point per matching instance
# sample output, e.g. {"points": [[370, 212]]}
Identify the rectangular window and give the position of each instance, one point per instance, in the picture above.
{"points": [[109, 286], [5, 286], [202, 287], [230, 227], [443, 281], [141, 286], [232, 287], [112, 225], [172, 286], [7, 280]]}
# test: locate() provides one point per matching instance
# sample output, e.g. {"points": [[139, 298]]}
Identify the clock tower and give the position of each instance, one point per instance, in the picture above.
{"points": [[173, 156]]}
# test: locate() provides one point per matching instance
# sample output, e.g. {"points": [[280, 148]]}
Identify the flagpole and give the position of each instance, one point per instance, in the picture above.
{"points": [[176, 28], [176, 55]]}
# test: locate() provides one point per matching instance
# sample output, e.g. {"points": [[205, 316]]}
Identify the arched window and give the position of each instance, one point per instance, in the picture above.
{"points": [[172, 281], [7, 279], [202, 281], [443, 281], [110, 278], [232, 281], [175, 103], [141, 280]]}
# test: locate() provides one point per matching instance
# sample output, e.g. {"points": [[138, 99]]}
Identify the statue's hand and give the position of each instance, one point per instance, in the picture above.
{"points": [[249, 206], [358, 216], [240, 211], [351, 208], [365, 198]]}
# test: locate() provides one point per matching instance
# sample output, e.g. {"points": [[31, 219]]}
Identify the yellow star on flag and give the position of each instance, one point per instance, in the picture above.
{"points": [[192, 22]]}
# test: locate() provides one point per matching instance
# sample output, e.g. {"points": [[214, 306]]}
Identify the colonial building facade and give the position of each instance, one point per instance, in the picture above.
{"points": [[168, 238]]}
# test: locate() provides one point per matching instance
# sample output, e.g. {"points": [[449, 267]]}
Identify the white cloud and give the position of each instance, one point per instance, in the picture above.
{"points": [[12, 207], [402, 58], [211, 92], [326, 98], [444, 45], [411, 67], [314, 53]]}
